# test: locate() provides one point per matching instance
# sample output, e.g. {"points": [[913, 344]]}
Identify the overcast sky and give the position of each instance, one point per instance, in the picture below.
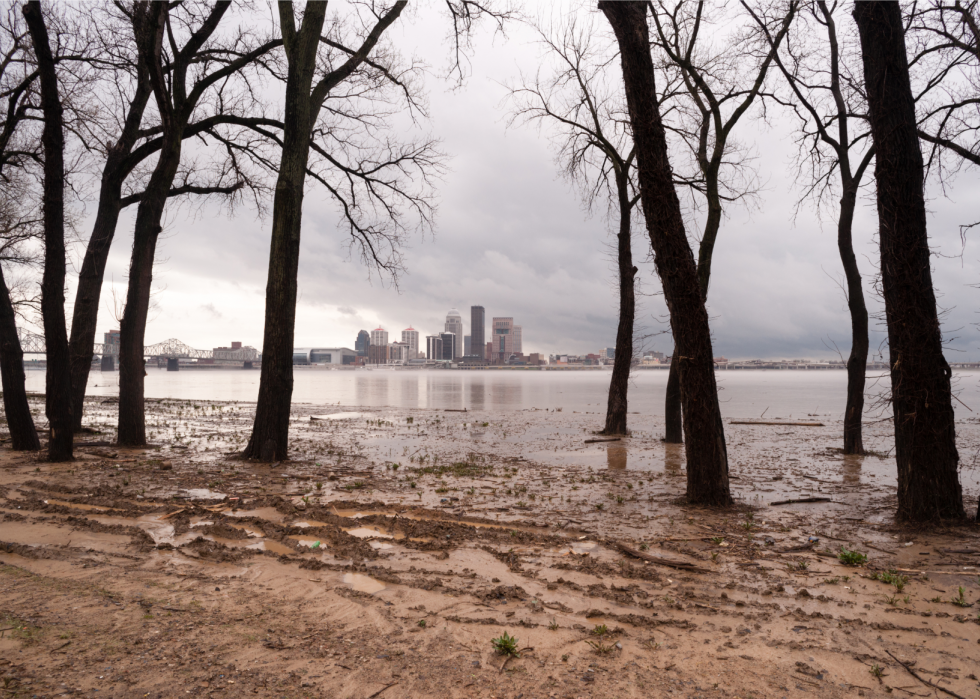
{"points": [[512, 236]]}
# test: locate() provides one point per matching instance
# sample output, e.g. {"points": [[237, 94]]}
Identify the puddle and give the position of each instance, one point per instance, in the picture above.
{"points": [[363, 583], [339, 416], [161, 532], [202, 494], [268, 513], [582, 548], [380, 545], [80, 506], [303, 524], [263, 545], [372, 532], [312, 543]]}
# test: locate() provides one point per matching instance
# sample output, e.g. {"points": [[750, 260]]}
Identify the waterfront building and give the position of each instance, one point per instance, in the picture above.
{"points": [[378, 354], [235, 353], [379, 336], [450, 346], [502, 339], [478, 322], [454, 325], [339, 356], [467, 345], [398, 353], [518, 339], [410, 336], [433, 347], [361, 343]]}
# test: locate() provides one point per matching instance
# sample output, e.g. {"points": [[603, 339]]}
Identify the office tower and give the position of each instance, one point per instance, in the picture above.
{"points": [[488, 352], [379, 336], [433, 347], [399, 352], [450, 347], [410, 336], [518, 339], [454, 325], [467, 345], [478, 322], [378, 354], [503, 339], [361, 343]]}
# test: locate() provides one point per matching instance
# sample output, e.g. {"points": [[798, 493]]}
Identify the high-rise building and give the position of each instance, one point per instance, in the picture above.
{"points": [[518, 339], [467, 345], [361, 343], [433, 347], [379, 336], [478, 322], [378, 354], [454, 325], [503, 339], [398, 353], [410, 336], [450, 347]]}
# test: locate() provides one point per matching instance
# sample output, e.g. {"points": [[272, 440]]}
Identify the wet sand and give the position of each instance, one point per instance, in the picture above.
{"points": [[383, 558]]}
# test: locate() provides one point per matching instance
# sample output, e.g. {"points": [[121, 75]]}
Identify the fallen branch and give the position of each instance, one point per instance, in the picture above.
{"points": [[791, 424], [798, 500], [609, 439], [387, 686], [922, 679], [670, 563]]}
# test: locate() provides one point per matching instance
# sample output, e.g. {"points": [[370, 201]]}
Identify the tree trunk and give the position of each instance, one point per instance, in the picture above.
{"points": [[132, 328], [616, 409], [925, 436], [85, 316], [58, 375], [270, 432], [673, 423], [707, 458], [23, 434], [857, 362]]}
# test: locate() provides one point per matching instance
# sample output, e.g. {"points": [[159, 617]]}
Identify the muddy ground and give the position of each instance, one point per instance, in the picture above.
{"points": [[385, 557]]}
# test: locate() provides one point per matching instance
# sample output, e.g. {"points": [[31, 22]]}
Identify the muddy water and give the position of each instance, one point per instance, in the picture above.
{"points": [[744, 394]]}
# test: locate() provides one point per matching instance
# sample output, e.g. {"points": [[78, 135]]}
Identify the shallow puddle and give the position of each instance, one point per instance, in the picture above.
{"points": [[202, 494], [339, 416], [373, 533], [363, 583], [303, 524], [80, 506], [263, 545]]}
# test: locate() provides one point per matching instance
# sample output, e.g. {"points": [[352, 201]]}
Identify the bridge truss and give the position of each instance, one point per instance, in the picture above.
{"points": [[32, 343]]}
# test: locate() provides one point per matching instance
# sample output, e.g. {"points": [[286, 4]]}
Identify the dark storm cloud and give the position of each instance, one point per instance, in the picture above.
{"points": [[512, 236]]}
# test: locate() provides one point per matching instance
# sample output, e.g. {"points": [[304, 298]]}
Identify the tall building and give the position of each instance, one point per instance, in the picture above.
{"points": [[467, 345], [378, 354], [399, 353], [410, 336], [361, 343], [454, 325], [433, 347], [450, 346], [503, 339], [518, 339], [478, 322], [379, 336]]}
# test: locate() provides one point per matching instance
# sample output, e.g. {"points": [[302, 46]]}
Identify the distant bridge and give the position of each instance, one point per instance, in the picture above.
{"points": [[32, 343]]}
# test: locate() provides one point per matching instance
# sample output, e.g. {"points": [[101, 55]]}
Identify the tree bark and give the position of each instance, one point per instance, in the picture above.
{"points": [[58, 374], [673, 422], [857, 362], [616, 410], [707, 458], [23, 434], [925, 436], [89, 291]]}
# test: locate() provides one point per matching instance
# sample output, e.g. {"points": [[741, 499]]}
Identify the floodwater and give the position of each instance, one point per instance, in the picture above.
{"points": [[743, 393]]}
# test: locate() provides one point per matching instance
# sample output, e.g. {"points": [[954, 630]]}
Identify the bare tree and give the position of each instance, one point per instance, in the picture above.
{"points": [[707, 456], [197, 63], [18, 223], [925, 432], [58, 375], [595, 151], [836, 152], [721, 84]]}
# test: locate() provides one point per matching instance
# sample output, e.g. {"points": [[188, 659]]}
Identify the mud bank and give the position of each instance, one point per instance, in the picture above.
{"points": [[383, 559]]}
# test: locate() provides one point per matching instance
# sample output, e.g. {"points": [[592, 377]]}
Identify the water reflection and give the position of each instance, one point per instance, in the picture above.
{"points": [[852, 468], [477, 397], [616, 456], [673, 459]]}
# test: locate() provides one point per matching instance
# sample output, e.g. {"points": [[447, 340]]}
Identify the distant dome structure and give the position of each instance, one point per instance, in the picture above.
{"points": [[453, 313], [454, 325]]}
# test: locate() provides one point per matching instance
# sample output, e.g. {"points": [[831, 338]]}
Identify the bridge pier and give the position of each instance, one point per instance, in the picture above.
{"points": [[108, 362], [173, 364], [248, 365]]}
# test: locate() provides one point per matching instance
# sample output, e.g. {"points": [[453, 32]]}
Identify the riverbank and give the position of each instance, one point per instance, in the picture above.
{"points": [[384, 558]]}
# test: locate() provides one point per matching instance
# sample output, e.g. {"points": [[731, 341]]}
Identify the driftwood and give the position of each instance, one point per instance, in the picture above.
{"points": [[609, 439], [922, 679], [670, 563], [760, 422], [793, 502]]}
